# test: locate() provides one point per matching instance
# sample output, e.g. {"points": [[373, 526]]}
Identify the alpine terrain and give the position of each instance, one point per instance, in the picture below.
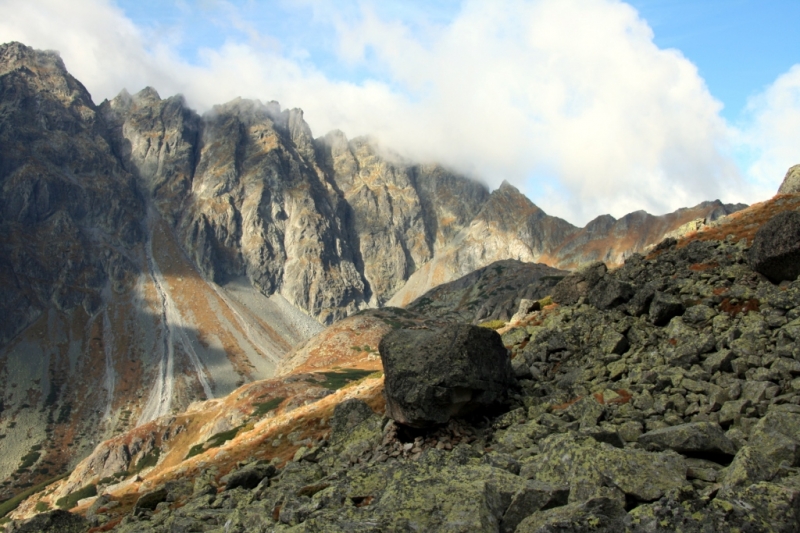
{"points": [[186, 297]]}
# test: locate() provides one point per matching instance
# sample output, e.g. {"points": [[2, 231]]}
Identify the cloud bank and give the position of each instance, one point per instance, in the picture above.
{"points": [[570, 100]]}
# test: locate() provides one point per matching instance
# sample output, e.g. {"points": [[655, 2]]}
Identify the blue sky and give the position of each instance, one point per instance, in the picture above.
{"points": [[587, 106]]}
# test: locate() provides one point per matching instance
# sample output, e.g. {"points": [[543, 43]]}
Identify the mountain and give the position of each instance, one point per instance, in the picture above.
{"points": [[152, 257], [620, 422]]}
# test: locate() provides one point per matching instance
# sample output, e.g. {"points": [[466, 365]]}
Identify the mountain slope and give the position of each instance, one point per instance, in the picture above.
{"points": [[665, 425], [151, 257]]}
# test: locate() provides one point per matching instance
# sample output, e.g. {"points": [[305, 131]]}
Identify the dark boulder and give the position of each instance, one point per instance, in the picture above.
{"points": [[664, 308], [577, 284], [640, 303], [776, 248], [54, 522], [609, 293], [249, 476], [149, 500], [433, 375]]}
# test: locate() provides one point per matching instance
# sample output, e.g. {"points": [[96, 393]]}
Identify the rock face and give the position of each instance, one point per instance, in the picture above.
{"points": [[791, 182], [434, 375], [69, 212], [494, 292], [510, 226], [776, 248]]}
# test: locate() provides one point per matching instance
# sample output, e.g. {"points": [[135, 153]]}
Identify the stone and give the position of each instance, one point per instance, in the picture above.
{"points": [[598, 515], [791, 182], [434, 375], [639, 474], [614, 342], [691, 439], [57, 521], [149, 500], [249, 476], [664, 307], [775, 252], [578, 284], [609, 293], [348, 415], [640, 303], [720, 360], [587, 411], [699, 315], [530, 499], [732, 410]]}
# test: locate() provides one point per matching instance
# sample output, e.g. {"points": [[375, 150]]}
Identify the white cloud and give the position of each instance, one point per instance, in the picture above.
{"points": [[568, 99], [773, 132]]}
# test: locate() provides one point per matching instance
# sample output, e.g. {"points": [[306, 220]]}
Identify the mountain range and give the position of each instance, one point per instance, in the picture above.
{"points": [[152, 257]]}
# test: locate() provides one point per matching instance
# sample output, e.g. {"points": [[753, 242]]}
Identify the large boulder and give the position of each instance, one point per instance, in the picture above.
{"points": [[791, 183], [776, 247], [433, 375], [577, 284]]}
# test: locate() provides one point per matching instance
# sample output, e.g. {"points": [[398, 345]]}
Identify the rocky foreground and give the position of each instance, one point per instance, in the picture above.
{"points": [[661, 396]]}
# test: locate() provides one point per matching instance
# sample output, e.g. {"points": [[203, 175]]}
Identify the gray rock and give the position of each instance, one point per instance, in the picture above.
{"points": [[609, 293], [791, 182], [530, 499], [53, 522], [640, 303], [699, 315], [598, 515], [348, 415], [638, 474], [149, 500], [776, 247], [433, 375], [249, 476], [578, 284], [692, 438], [664, 307], [614, 343]]}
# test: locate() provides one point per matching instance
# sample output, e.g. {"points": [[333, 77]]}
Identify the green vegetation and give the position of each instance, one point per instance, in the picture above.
{"points": [[214, 441], [12, 503], [492, 324], [147, 460], [71, 500], [547, 300], [263, 408], [337, 380], [41, 507], [30, 458]]}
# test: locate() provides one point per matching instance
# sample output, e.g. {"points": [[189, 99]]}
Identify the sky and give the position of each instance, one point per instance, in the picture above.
{"points": [[587, 106]]}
